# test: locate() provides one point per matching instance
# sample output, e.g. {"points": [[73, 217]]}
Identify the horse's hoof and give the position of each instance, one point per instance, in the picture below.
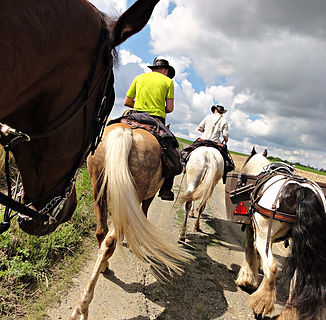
{"points": [[107, 271], [182, 238]]}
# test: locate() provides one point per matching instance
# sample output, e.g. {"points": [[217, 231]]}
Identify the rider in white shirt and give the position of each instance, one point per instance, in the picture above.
{"points": [[213, 125]]}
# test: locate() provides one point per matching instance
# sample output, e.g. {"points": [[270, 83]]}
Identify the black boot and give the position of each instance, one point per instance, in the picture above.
{"points": [[165, 192]]}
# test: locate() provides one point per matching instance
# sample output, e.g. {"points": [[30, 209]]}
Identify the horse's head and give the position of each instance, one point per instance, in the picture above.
{"points": [[63, 103], [255, 162]]}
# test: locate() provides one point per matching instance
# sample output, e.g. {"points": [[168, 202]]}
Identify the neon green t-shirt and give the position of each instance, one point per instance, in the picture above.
{"points": [[150, 91]]}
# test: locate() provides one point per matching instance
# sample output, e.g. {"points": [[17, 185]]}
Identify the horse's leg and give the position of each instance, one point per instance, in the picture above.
{"points": [[289, 313], [192, 210], [105, 252], [182, 235], [262, 301], [100, 209], [200, 210], [145, 205], [248, 274]]}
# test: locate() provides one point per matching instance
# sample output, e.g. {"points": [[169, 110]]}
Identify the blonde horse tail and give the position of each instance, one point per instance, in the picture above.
{"points": [[206, 185], [147, 242]]}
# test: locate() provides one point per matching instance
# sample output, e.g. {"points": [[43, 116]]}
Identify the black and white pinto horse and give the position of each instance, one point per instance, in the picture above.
{"points": [[298, 206]]}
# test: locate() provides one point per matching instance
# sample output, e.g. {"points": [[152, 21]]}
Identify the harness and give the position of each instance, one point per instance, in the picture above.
{"points": [[51, 210], [284, 173]]}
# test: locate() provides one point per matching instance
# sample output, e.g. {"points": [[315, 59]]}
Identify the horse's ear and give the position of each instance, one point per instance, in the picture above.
{"points": [[133, 20], [253, 151], [265, 153]]}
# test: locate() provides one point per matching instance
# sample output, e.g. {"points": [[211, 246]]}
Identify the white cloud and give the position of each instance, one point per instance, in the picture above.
{"points": [[273, 54], [265, 61], [112, 7]]}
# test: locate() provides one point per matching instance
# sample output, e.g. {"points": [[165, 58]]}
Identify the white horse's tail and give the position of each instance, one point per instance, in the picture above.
{"points": [[147, 242], [207, 182]]}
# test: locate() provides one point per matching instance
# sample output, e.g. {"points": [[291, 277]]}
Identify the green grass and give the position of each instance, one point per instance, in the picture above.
{"points": [[297, 165], [238, 154], [310, 170], [182, 140], [181, 216], [27, 262]]}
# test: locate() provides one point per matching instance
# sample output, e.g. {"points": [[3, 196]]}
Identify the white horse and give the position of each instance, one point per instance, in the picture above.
{"points": [[304, 201], [204, 169]]}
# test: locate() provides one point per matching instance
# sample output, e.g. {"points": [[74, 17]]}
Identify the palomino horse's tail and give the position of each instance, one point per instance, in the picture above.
{"points": [[308, 259], [206, 184], [147, 242]]}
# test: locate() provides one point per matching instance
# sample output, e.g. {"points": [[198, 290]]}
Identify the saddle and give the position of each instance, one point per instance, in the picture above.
{"points": [[222, 148], [171, 164]]}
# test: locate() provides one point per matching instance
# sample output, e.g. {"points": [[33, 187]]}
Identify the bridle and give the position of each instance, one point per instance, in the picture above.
{"points": [[48, 214]]}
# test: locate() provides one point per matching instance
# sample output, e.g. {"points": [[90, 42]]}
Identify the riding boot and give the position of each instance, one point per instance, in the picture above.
{"points": [[165, 192]]}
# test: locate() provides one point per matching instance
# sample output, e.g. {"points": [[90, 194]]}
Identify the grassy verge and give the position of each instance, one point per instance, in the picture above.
{"points": [[33, 269]]}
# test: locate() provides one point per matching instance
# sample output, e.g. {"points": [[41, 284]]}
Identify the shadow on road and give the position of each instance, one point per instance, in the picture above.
{"points": [[199, 292]]}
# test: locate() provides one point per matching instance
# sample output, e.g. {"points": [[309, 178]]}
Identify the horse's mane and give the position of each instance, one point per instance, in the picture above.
{"points": [[109, 23]]}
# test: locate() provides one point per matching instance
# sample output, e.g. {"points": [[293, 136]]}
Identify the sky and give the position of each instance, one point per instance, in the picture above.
{"points": [[264, 61]]}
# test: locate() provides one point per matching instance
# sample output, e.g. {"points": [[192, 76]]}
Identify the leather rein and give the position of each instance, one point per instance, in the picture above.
{"points": [[55, 205]]}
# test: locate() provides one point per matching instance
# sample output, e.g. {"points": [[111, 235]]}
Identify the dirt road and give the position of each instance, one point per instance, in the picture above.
{"points": [[206, 290]]}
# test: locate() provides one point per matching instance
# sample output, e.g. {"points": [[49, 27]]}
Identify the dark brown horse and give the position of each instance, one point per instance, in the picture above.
{"points": [[56, 90]]}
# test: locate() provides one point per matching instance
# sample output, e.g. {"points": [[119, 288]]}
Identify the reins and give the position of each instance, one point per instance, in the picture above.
{"points": [[177, 197], [53, 207]]}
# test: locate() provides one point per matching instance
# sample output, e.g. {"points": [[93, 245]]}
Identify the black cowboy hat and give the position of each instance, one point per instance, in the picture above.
{"points": [[220, 109], [162, 63]]}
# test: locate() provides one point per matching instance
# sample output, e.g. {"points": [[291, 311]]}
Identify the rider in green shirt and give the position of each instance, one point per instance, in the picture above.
{"points": [[153, 92]]}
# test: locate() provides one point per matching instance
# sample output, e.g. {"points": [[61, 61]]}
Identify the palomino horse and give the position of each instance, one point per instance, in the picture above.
{"points": [[204, 169], [298, 206], [56, 90], [126, 171]]}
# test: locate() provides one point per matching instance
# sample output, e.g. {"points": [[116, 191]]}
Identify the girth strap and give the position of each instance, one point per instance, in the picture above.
{"points": [[272, 216]]}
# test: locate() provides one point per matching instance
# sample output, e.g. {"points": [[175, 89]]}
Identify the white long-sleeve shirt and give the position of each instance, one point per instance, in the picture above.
{"points": [[212, 131]]}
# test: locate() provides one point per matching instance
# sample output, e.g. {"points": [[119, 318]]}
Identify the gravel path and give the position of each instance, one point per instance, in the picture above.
{"points": [[206, 290]]}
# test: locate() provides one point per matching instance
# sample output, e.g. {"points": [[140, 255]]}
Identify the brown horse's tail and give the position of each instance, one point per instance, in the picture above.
{"points": [[147, 242]]}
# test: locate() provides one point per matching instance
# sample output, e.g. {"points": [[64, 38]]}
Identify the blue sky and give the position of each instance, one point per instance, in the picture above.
{"points": [[264, 61]]}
